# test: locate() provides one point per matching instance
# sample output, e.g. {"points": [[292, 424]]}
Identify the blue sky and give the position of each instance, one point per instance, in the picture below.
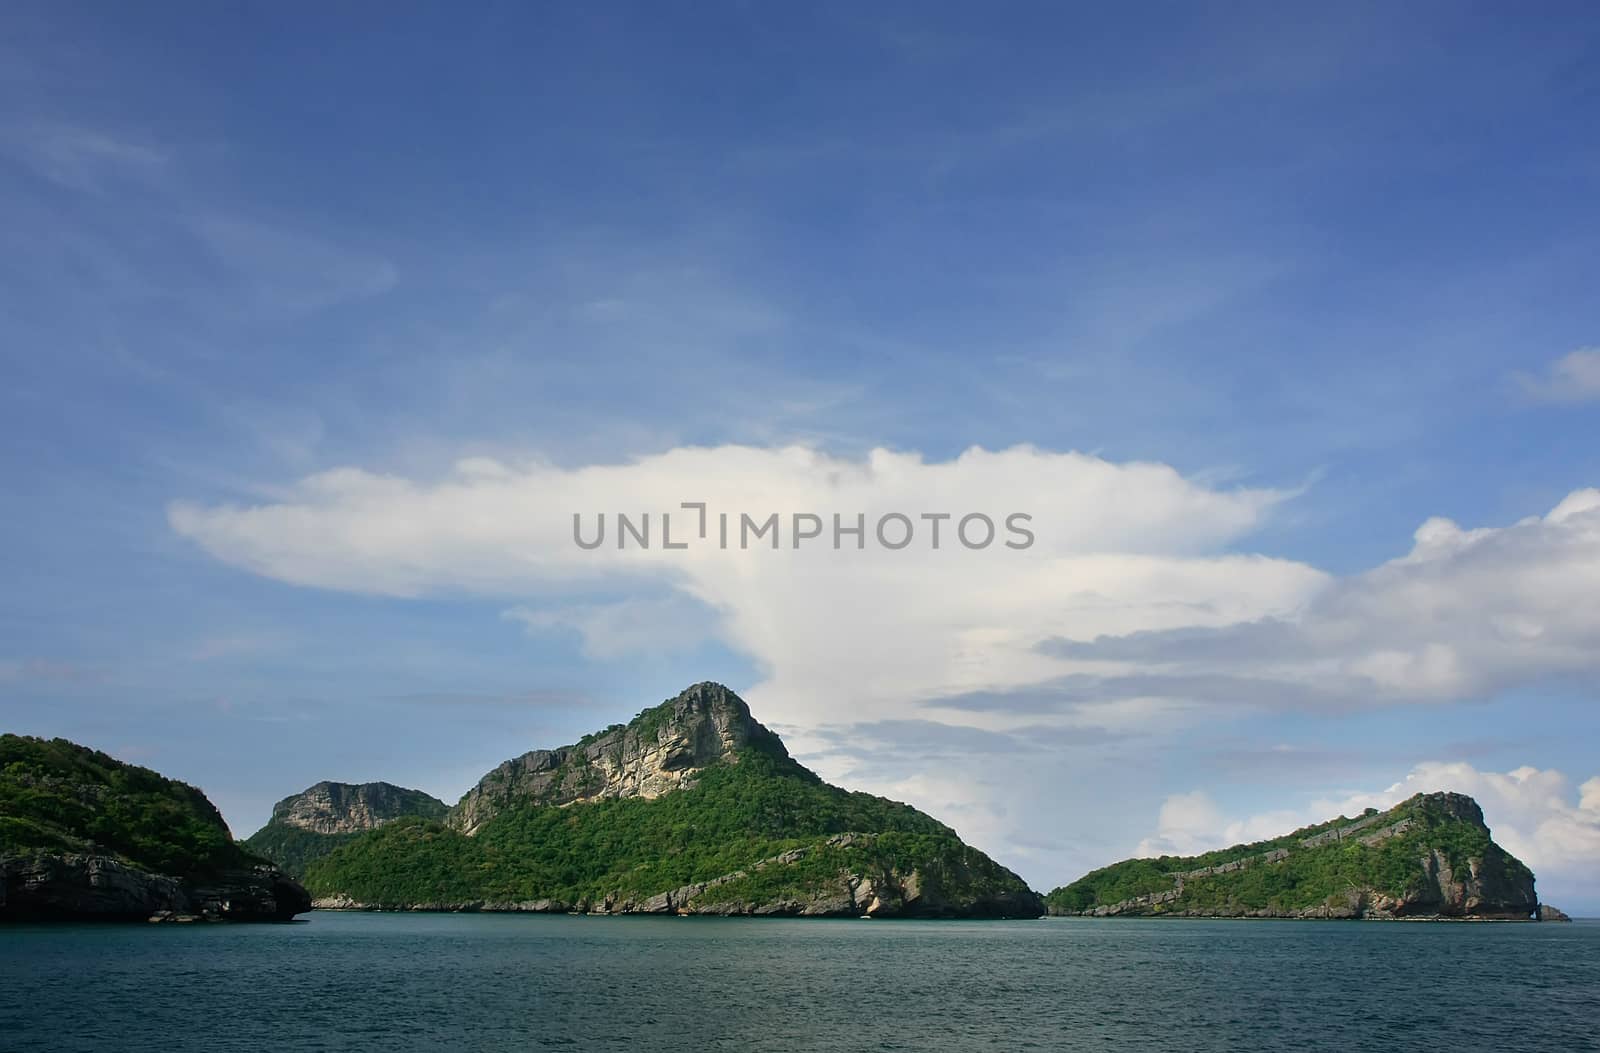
{"points": [[1344, 257]]}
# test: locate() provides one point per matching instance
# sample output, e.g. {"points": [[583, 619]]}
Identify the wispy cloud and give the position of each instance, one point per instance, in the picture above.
{"points": [[49, 671], [644, 625], [1574, 377], [83, 159]]}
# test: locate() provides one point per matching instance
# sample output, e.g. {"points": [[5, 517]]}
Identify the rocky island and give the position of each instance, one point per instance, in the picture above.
{"points": [[693, 807], [1430, 856], [84, 836], [310, 824]]}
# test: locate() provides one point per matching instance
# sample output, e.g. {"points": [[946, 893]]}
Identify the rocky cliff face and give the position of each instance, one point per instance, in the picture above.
{"points": [[47, 886], [661, 750], [1429, 856], [349, 808]]}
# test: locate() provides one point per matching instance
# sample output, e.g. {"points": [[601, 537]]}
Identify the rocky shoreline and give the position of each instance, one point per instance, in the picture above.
{"points": [[887, 894], [1554, 915], [88, 887]]}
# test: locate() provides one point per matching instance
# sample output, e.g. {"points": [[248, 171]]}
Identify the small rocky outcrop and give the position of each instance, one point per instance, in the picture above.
{"points": [[661, 750], [1549, 913]]}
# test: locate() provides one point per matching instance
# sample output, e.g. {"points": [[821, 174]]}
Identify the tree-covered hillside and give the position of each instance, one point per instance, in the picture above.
{"points": [[762, 807], [58, 796], [1429, 854], [308, 825], [294, 849]]}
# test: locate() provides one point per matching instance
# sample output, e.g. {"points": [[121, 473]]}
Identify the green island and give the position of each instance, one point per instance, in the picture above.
{"points": [[83, 834], [1429, 856], [308, 825], [692, 807]]}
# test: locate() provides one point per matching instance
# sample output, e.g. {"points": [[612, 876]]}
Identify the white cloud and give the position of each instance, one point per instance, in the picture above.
{"points": [[1191, 823], [1128, 597], [836, 633], [1531, 813], [657, 625], [1574, 377], [1464, 614]]}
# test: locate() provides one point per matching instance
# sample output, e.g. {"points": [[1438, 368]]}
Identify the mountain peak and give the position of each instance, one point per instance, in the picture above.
{"points": [[658, 751], [347, 808], [1444, 803]]}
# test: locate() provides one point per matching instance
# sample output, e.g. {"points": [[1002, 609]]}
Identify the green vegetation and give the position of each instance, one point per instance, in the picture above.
{"points": [[943, 861], [735, 816], [1307, 877], [58, 796], [292, 848]]}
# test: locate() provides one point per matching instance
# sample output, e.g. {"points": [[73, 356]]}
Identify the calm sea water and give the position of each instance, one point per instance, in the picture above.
{"points": [[475, 982]]}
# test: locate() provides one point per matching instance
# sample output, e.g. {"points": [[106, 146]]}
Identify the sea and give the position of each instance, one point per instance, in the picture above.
{"points": [[467, 982]]}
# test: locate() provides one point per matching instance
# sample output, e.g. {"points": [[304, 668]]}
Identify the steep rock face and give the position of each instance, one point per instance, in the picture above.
{"points": [[307, 826], [1429, 856], [46, 886], [1486, 888], [349, 808], [661, 750]]}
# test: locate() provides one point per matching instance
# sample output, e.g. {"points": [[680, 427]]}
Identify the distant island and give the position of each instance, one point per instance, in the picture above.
{"points": [[692, 807], [1430, 856], [310, 824], [85, 836]]}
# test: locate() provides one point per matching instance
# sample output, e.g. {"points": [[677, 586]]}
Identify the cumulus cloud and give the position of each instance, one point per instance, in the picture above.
{"points": [[837, 634], [1464, 614], [1536, 815], [1574, 377]]}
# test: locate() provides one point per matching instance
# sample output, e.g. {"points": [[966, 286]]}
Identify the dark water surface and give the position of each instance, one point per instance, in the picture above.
{"points": [[482, 982]]}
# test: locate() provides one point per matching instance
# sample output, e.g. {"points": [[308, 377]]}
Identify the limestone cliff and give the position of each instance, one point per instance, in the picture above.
{"points": [[662, 749], [308, 825], [1429, 856], [349, 808]]}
